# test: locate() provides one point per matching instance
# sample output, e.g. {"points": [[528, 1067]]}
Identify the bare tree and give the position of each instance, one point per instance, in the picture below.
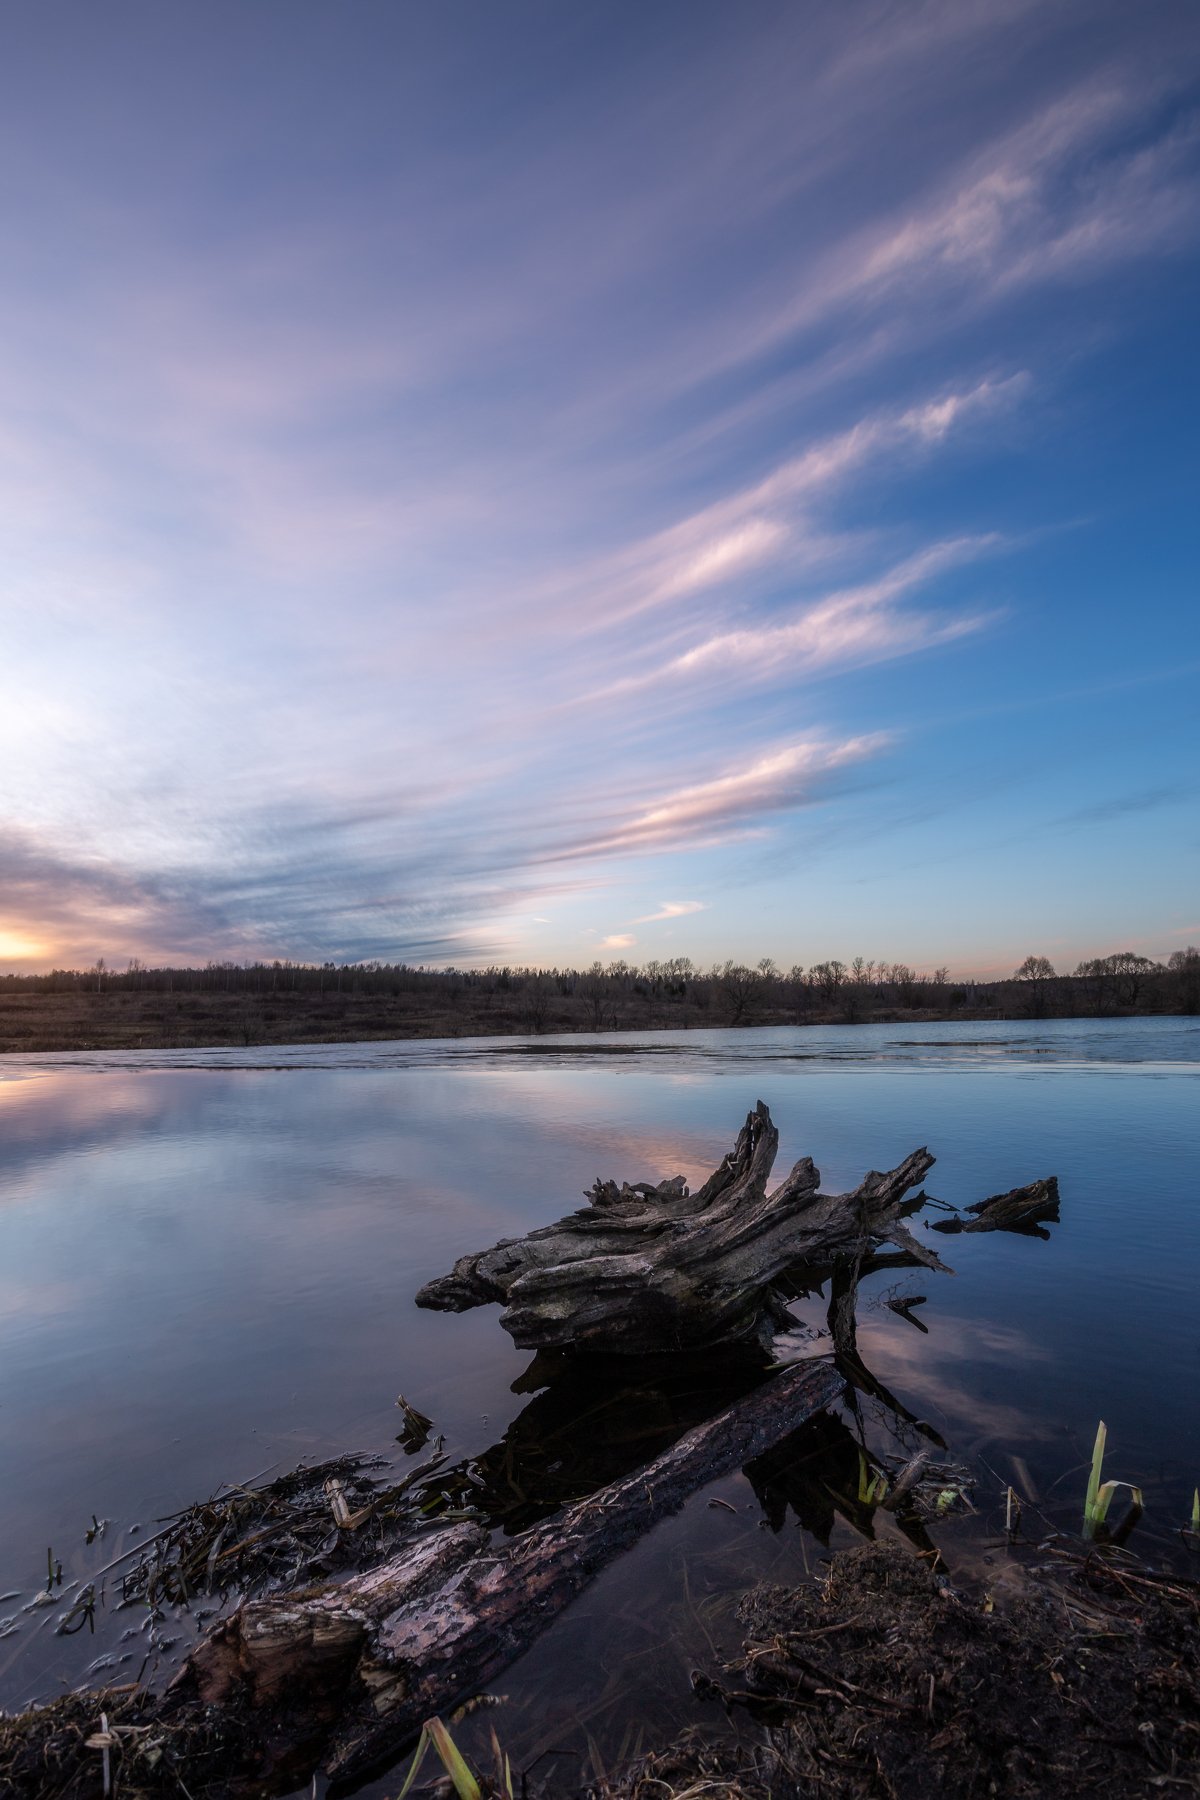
{"points": [[1121, 976], [828, 976], [537, 1002], [740, 987], [1129, 972], [1036, 972], [594, 989], [677, 974], [1185, 967], [904, 980]]}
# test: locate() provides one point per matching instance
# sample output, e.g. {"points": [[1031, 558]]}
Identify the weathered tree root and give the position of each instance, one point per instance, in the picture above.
{"points": [[649, 1268]]}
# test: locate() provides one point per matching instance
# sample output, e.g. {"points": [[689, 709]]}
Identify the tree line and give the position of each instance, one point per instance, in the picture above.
{"points": [[676, 990]]}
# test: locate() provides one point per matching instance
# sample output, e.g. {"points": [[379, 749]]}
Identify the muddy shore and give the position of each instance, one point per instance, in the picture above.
{"points": [[1080, 1679]]}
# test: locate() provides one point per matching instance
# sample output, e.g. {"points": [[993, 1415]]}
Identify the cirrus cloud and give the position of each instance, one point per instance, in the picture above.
{"points": [[672, 909]]}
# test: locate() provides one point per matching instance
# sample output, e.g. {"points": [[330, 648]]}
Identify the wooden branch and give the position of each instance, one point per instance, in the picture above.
{"points": [[647, 1268], [1026, 1210], [435, 1624]]}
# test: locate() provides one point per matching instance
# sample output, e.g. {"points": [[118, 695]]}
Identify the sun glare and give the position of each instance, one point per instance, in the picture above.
{"points": [[15, 946]]}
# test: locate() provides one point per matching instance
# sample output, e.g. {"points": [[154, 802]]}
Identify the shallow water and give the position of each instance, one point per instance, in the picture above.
{"points": [[207, 1263]]}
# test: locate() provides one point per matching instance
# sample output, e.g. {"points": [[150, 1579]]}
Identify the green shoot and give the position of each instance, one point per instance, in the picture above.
{"points": [[453, 1761], [414, 1767], [1104, 1499], [1099, 1495], [434, 1733], [1090, 1518], [504, 1784], [872, 1488], [1194, 1526]]}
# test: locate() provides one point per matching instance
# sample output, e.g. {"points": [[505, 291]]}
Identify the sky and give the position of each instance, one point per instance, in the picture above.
{"points": [[530, 483]]}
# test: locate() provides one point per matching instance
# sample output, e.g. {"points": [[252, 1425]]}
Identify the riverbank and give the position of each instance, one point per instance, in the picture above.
{"points": [[882, 1680], [33, 1022], [1080, 1677]]}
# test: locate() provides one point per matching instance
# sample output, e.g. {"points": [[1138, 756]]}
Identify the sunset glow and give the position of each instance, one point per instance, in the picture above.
{"points": [[744, 453], [18, 947]]}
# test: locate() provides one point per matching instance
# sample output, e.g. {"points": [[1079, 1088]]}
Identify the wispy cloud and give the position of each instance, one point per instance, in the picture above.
{"points": [[730, 804], [773, 524], [671, 909], [1136, 804], [405, 534], [856, 626], [1063, 193], [330, 885]]}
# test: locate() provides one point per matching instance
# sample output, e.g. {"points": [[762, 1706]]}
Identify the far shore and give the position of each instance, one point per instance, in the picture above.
{"points": [[37, 1023]]}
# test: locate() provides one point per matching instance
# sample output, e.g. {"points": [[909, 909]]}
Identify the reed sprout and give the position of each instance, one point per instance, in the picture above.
{"points": [[435, 1735], [1100, 1494]]}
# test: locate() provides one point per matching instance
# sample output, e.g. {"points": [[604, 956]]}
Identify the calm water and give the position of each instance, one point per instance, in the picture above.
{"points": [[207, 1263]]}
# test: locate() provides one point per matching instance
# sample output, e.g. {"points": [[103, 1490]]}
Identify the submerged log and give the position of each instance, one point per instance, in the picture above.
{"points": [[1025, 1210], [434, 1624], [646, 1268]]}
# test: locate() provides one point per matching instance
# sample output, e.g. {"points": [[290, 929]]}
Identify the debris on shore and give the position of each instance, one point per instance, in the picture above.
{"points": [[879, 1681], [882, 1681], [301, 1527]]}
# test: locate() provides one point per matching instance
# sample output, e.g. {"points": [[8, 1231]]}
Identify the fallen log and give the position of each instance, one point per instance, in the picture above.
{"points": [[423, 1631], [646, 1268]]}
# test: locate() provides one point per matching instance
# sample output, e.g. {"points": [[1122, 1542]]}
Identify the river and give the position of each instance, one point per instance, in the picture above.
{"points": [[207, 1263]]}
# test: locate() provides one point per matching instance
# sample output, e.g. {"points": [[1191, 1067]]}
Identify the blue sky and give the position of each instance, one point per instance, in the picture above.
{"points": [[524, 483]]}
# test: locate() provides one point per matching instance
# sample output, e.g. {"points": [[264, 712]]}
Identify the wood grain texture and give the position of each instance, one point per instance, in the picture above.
{"points": [[415, 1636], [646, 1268]]}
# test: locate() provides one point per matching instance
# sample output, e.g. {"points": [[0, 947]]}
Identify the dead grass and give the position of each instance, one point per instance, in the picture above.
{"points": [[883, 1682], [33, 1022]]}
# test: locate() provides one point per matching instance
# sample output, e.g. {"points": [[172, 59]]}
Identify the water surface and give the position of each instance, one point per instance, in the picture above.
{"points": [[207, 1263]]}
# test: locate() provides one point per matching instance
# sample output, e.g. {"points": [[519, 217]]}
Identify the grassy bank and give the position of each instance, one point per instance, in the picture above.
{"points": [[115, 1020]]}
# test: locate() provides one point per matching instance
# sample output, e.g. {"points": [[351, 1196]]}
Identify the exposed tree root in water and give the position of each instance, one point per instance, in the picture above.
{"points": [[884, 1682]]}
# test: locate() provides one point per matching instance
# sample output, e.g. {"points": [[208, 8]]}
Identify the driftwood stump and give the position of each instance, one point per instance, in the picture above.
{"points": [[646, 1268]]}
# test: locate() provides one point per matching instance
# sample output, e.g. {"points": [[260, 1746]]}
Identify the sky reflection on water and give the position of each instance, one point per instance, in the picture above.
{"points": [[205, 1271]]}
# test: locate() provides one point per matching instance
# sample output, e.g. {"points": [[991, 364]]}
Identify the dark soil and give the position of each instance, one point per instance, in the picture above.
{"points": [[883, 1682], [880, 1683], [57, 1752]]}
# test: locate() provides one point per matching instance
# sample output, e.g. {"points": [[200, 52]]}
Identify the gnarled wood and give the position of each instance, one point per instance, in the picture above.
{"points": [[646, 1268]]}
